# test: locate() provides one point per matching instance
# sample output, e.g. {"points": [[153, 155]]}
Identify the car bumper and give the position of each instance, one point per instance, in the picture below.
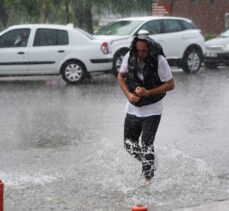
{"points": [[217, 57]]}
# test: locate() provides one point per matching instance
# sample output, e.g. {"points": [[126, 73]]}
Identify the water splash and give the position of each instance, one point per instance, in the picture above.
{"points": [[179, 179], [22, 180]]}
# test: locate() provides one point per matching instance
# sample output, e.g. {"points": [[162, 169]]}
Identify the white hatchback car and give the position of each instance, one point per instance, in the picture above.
{"points": [[182, 42], [34, 49]]}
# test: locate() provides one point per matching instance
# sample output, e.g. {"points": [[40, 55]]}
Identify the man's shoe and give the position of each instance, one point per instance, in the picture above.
{"points": [[147, 182]]}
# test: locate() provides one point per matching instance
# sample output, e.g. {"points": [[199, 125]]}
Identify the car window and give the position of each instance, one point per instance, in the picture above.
{"points": [[48, 37], [15, 38], [187, 25], [153, 27], [124, 27], [171, 26]]}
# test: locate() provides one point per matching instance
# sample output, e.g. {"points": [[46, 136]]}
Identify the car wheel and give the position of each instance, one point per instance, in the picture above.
{"points": [[117, 62], [211, 65], [73, 72], [192, 60]]}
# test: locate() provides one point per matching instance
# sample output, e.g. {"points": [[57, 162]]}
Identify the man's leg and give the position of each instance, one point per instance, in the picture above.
{"points": [[150, 126], [132, 132]]}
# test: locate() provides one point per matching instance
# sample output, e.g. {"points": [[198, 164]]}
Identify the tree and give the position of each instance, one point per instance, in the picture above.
{"points": [[171, 5], [83, 13], [79, 12], [128, 6], [32, 10], [3, 13], [83, 9], [67, 9]]}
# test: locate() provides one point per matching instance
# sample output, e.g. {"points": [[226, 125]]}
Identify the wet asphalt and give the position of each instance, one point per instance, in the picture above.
{"points": [[61, 146]]}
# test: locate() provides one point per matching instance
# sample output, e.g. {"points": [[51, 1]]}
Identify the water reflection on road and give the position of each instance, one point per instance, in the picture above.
{"points": [[61, 146]]}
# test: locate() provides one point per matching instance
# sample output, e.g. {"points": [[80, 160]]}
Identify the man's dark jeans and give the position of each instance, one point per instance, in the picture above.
{"points": [[143, 150]]}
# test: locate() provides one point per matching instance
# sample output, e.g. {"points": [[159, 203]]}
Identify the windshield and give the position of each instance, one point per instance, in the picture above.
{"points": [[118, 28], [225, 34]]}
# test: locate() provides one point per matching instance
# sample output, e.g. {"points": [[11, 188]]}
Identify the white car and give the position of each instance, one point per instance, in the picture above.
{"points": [[217, 51], [33, 49], [182, 42]]}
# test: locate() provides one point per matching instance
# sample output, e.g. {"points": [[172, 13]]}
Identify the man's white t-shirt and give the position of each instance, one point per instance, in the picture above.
{"points": [[165, 74]]}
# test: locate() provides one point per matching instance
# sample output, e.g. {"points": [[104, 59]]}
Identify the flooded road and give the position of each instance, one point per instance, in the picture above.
{"points": [[61, 146]]}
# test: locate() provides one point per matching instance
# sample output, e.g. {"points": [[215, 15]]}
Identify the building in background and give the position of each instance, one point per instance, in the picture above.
{"points": [[211, 16]]}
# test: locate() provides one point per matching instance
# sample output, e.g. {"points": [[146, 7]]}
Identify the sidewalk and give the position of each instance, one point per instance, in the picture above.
{"points": [[211, 206]]}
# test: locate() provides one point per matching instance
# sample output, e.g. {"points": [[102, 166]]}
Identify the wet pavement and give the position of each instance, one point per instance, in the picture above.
{"points": [[61, 146]]}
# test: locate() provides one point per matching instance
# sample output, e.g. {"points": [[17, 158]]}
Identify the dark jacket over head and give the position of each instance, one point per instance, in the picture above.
{"points": [[150, 70]]}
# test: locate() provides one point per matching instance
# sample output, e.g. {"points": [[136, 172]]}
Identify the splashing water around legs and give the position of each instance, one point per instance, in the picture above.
{"points": [[146, 127], [145, 155], [133, 148], [148, 166]]}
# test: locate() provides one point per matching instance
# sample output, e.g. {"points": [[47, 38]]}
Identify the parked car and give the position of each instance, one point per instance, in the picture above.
{"points": [[34, 49], [182, 42], [217, 51]]}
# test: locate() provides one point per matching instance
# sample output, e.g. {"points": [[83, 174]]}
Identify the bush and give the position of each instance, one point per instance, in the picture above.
{"points": [[209, 36]]}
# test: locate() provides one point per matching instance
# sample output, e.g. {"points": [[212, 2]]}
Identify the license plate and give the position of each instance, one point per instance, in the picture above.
{"points": [[211, 54]]}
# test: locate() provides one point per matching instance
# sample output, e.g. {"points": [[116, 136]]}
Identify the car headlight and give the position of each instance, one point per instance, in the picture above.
{"points": [[226, 48], [214, 47]]}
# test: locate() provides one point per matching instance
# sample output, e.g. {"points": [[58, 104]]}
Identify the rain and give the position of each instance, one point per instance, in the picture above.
{"points": [[61, 146], [62, 149]]}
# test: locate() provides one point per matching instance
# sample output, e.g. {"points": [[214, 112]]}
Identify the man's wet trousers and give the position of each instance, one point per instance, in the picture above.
{"points": [[142, 150]]}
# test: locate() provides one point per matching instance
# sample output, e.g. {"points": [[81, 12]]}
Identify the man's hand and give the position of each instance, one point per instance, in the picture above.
{"points": [[141, 91], [133, 98]]}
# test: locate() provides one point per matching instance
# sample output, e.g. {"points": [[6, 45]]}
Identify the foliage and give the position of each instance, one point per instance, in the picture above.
{"points": [[209, 36], [79, 12]]}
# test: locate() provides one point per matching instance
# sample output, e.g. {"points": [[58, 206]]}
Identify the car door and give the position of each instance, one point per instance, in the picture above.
{"points": [[14, 51], [173, 38], [49, 48], [168, 33], [155, 29]]}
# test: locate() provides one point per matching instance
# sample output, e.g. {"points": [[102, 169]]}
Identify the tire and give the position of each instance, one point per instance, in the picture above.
{"points": [[192, 60], [211, 65], [118, 58], [73, 72]]}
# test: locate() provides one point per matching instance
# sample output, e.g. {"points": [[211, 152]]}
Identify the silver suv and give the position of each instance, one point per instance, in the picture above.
{"points": [[182, 42]]}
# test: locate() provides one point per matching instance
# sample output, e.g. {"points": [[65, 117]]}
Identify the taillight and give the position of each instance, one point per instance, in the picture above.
{"points": [[104, 48]]}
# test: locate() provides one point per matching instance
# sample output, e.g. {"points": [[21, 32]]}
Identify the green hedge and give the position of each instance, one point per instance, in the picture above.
{"points": [[209, 36]]}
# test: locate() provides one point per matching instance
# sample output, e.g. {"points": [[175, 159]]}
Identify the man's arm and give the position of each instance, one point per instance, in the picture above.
{"points": [[132, 97], [165, 87]]}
